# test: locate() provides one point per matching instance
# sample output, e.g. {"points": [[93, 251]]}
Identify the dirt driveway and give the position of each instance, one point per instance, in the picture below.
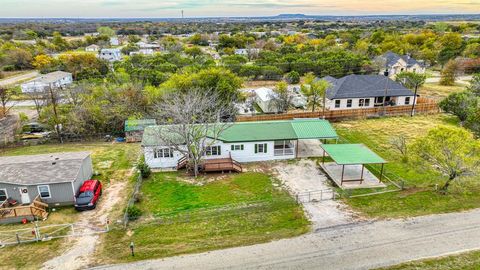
{"points": [[79, 254], [304, 176]]}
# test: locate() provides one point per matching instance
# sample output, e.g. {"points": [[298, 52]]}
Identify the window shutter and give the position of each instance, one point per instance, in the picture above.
{"points": [[231, 147], [241, 147], [219, 150], [265, 148], [256, 148]]}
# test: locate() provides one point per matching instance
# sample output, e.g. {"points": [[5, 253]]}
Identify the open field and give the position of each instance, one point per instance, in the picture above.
{"points": [[111, 161], [437, 91], [419, 197], [464, 261], [182, 217]]}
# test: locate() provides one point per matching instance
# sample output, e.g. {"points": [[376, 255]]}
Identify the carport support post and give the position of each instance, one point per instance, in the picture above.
{"points": [[361, 176], [323, 158], [381, 173], [343, 171], [296, 150]]}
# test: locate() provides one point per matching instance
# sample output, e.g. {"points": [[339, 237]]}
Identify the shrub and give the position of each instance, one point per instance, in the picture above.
{"points": [[133, 212], [143, 168], [292, 77], [9, 68]]}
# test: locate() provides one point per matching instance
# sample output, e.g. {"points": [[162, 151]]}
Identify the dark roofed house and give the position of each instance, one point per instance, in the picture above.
{"points": [[396, 64], [29, 184], [134, 128], [366, 91]]}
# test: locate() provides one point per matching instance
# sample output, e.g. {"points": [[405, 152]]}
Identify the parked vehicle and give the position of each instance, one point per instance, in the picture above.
{"points": [[88, 195]]}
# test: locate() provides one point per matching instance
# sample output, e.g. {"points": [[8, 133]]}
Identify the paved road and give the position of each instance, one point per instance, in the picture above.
{"points": [[353, 246], [15, 79]]}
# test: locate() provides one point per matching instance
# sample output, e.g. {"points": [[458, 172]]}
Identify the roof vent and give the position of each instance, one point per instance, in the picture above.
{"points": [[53, 163]]}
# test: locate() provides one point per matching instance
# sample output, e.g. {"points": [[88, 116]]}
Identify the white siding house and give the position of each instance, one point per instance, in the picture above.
{"points": [[366, 91], [111, 55], [265, 99], [42, 83], [395, 64], [92, 48], [243, 142]]}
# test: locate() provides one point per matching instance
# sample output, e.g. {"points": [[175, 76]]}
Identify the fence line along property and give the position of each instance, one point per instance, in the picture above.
{"points": [[421, 108]]}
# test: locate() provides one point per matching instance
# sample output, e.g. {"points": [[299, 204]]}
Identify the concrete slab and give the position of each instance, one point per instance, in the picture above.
{"points": [[351, 172]]}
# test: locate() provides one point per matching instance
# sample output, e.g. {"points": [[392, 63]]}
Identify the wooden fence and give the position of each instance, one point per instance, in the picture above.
{"points": [[429, 107]]}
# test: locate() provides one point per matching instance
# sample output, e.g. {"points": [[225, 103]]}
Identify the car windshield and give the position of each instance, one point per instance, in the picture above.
{"points": [[85, 194]]}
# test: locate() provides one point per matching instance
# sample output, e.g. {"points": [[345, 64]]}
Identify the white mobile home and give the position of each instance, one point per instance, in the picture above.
{"points": [[111, 55], [265, 99], [42, 83], [366, 91], [242, 142]]}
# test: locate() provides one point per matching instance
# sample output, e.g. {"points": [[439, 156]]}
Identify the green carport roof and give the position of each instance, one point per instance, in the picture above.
{"points": [[350, 154]]}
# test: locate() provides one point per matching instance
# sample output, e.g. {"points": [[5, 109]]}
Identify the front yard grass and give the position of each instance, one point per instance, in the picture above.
{"points": [[437, 91], [181, 217], [464, 261], [111, 161], [419, 197]]}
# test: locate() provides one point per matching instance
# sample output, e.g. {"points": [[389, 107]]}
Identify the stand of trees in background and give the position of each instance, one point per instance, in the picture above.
{"points": [[466, 105]]}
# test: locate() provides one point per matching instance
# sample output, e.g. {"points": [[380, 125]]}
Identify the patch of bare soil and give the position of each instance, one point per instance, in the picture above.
{"points": [[79, 254]]}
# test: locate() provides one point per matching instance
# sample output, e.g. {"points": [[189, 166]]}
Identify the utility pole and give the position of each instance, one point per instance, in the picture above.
{"points": [[385, 93], [182, 14]]}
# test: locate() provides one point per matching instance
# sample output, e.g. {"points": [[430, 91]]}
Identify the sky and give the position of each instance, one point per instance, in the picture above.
{"points": [[227, 8]]}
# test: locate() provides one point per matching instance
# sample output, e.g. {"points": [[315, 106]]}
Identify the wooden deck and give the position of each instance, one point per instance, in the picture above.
{"points": [[221, 165], [214, 165], [36, 210]]}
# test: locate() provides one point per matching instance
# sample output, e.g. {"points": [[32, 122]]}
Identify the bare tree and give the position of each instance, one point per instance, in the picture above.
{"points": [[39, 99], [195, 120], [53, 97], [399, 143], [6, 95]]}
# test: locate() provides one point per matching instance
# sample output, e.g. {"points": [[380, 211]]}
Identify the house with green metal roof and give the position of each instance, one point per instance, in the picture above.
{"points": [[134, 128], [240, 141]]}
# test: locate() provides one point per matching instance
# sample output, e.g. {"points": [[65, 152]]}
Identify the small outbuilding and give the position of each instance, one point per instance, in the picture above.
{"points": [[52, 178], [134, 128]]}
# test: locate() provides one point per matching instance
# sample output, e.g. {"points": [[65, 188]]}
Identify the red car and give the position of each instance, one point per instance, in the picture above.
{"points": [[88, 195]]}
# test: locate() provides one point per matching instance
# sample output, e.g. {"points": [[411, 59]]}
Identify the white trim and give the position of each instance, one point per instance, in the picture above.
{"points": [[6, 193], [49, 192]]}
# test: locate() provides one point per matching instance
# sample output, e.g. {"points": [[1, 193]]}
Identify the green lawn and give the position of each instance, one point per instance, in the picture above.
{"points": [[180, 217], [111, 161], [464, 261], [419, 197]]}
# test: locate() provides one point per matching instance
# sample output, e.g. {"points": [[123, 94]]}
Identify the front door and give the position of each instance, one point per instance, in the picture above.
{"points": [[24, 195]]}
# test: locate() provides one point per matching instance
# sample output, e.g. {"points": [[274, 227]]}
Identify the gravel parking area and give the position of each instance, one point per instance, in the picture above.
{"points": [[303, 177]]}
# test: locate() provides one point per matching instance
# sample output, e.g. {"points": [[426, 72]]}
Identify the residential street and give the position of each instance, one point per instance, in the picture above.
{"points": [[355, 246], [20, 78]]}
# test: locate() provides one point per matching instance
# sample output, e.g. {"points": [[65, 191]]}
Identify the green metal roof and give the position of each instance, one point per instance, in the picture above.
{"points": [[350, 154], [138, 124], [263, 131]]}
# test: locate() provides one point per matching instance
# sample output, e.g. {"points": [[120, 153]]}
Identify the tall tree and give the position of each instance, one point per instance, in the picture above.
{"points": [[452, 151], [413, 81], [6, 95], [315, 90], [194, 121]]}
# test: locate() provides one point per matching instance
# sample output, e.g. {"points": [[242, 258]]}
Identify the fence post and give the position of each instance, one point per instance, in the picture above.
{"points": [[18, 237]]}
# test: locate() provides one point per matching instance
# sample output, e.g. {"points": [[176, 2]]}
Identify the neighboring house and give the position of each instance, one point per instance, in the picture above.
{"points": [[396, 64], [92, 48], [249, 52], [111, 55], [134, 129], [365, 91], [114, 41], [42, 83], [240, 141], [55, 178], [143, 52], [266, 100]]}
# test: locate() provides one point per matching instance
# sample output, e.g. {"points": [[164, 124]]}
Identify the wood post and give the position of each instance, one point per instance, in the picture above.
{"points": [[381, 173], [361, 176], [343, 171]]}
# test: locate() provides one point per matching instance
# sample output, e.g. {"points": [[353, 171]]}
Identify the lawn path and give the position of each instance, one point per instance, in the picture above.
{"points": [[80, 253]]}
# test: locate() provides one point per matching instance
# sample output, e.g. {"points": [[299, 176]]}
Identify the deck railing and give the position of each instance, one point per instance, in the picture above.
{"points": [[283, 152], [37, 209]]}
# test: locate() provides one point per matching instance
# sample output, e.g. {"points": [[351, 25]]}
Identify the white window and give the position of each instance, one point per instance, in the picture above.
{"points": [[44, 192], [236, 147], [367, 102], [260, 148], [213, 150], [407, 100], [349, 103], [337, 103], [3, 195], [163, 153], [361, 102]]}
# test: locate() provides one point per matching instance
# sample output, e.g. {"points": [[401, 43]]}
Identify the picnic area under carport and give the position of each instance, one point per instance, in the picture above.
{"points": [[348, 170]]}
